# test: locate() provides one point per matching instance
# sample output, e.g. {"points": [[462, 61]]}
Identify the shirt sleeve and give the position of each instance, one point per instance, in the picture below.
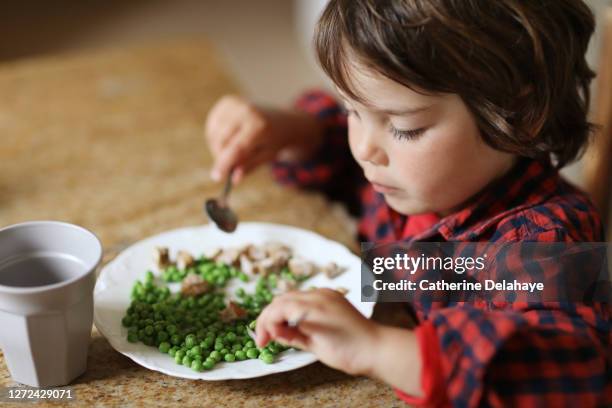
{"points": [[432, 380], [332, 170], [526, 354], [544, 355]]}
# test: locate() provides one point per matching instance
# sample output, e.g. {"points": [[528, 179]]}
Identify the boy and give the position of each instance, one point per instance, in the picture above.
{"points": [[460, 114]]}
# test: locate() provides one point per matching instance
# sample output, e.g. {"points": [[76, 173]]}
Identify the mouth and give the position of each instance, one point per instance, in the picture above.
{"points": [[383, 188]]}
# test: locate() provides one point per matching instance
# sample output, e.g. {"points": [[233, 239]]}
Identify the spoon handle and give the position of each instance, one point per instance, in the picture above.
{"points": [[228, 187]]}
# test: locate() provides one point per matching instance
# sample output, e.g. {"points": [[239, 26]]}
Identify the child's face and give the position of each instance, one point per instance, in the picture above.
{"points": [[424, 153]]}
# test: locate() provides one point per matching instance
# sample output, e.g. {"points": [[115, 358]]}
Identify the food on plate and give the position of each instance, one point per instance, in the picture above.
{"points": [[194, 285], [162, 257], [200, 325], [184, 260], [232, 312]]}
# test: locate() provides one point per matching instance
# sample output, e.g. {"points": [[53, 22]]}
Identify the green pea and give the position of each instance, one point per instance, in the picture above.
{"points": [[172, 351], [266, 358], [209, 363], [219, 346], [175, 340], [164, 347], [149, 277], [216, 355], [240, 355], [141, 334], [196, 350], [197, 365], [190, 340], [126, 321], [171, 329], [224, 351], [132, 337], [178, 356], [230, 357], [162, 336], [252, 353], [149, 330], [187, 360]]}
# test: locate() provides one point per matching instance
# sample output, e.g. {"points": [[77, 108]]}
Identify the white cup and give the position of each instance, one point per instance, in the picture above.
{"points": [[47, 276]]}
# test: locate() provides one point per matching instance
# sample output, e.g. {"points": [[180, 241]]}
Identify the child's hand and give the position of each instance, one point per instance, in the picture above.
{"points": [[242, 136], [332, 328]]}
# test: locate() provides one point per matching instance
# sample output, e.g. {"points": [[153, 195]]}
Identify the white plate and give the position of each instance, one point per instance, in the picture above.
{"points": [[112, 291]]}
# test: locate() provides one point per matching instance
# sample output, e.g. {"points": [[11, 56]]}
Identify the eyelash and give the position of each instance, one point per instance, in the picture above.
{"points": [[410, 134]]}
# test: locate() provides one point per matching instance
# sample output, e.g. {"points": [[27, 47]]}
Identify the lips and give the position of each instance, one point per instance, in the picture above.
{"points": [[383, 188]]}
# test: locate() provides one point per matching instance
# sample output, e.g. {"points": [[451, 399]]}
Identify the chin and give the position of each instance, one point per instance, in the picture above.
{"points": [[406, 206]]}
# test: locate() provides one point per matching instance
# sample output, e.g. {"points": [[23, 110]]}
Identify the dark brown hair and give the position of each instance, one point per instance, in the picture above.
{"points": [[519, 65]]}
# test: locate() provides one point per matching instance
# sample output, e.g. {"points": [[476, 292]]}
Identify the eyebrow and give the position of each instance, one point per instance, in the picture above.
{"points": [[403, 112], [393, 112]]}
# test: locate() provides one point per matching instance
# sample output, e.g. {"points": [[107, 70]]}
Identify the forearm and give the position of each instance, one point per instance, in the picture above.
{"points": [[397, 359]]}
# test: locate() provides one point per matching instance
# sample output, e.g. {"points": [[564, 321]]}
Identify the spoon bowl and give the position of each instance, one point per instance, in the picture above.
{"points": [[218, 209], [219, 213]]}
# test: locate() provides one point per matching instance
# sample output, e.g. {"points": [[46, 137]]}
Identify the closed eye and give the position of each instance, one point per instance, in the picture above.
{"points": [[409, 134]]}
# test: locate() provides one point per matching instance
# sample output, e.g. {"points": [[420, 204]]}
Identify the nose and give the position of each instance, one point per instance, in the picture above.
{"points": [[367, 149]]}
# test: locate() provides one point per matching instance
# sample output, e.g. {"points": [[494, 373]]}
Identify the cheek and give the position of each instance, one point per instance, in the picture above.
{"points": [[457, 167], [354, 134], [444, 168]]}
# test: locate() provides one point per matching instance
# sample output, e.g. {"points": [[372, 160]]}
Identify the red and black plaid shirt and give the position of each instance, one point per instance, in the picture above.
{"points": [[491, 354]]}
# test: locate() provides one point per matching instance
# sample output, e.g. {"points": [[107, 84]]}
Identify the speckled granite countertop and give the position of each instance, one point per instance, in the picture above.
{"points": [[113, 141]]}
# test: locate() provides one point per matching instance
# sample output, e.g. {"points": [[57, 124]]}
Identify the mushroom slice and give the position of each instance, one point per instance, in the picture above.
{"points": [[255, 253], [194, 285], [184, 260], [232, 311], [162, 257], [246, 265], [331, 270], [229, 256], [272, 264], [277, 249], [285, 285], [302, 268]]}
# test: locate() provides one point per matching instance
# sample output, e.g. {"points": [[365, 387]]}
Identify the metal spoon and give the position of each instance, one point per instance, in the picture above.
{"points": [[218, 210]]}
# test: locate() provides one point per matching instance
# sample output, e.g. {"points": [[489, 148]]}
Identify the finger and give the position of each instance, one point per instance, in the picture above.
{"points": [[219, 137], [234, 153], [277, 314], [291, 336], [223, 121]]}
